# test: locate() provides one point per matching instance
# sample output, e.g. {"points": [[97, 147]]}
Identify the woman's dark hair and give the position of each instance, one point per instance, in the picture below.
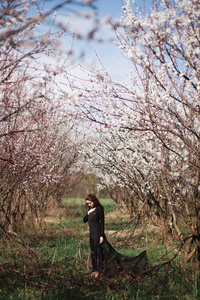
{"points": [[94, 199]]}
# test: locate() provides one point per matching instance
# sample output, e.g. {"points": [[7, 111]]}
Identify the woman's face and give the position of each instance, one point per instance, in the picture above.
{"points": [[90, 203]]}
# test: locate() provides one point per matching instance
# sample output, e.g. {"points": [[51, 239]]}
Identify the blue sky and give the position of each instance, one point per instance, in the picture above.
{"points": [[113, 7], [111, 57], [109, 54]]}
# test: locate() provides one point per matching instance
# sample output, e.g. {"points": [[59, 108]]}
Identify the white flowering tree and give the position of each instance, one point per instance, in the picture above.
{"points": [[149, 131], [39, 144]]}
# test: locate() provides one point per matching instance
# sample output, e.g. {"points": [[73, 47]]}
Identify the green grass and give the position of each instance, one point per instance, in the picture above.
{"points": [[63, 268]]}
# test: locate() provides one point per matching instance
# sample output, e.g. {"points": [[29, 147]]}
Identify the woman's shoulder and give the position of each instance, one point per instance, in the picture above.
{"points": [[99, 208]]}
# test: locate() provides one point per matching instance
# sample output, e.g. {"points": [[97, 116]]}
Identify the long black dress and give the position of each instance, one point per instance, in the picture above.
{"points": [[104, 257], [96, 226]]}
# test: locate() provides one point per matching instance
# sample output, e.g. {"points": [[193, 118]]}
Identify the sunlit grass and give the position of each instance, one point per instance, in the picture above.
{"points": [[64, 265]]}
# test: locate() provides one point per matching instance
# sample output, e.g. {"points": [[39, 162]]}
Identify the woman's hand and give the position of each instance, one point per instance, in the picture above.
{"points": [[101, 240], [91, 210]]}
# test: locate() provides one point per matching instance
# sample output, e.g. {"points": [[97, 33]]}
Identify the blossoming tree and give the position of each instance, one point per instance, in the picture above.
{"points": [[149, 130], [39, 147]]}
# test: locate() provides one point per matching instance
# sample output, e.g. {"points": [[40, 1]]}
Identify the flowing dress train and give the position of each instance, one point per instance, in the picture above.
{"points": [[104, 257]]}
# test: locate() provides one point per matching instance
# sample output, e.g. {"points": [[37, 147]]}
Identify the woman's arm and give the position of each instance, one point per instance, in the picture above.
{"points": [[85, 219], [100, 213]]}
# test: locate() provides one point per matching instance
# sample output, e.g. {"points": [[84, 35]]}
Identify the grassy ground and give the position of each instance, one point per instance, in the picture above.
{"points": [[62, 269]]}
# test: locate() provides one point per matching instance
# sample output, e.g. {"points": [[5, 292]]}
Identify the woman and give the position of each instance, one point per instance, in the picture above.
{"points": [[104, 257], [95, 218]]}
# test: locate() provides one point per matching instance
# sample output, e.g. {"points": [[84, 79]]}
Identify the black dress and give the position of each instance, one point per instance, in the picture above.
{"points": [[96, 226], [104, 257]]}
